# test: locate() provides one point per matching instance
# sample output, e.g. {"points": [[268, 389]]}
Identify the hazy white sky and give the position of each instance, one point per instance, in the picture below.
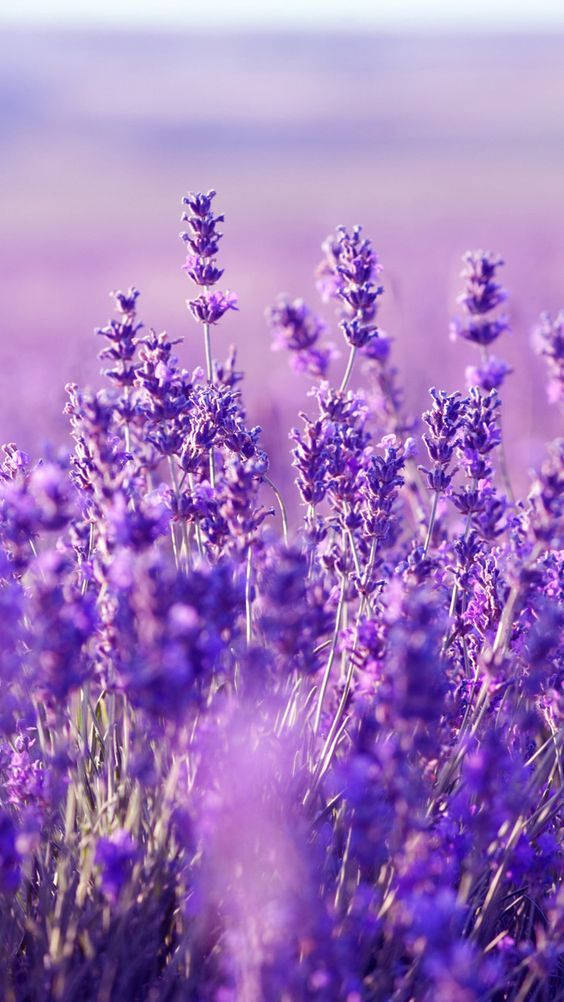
{"points": [[510, 14]]}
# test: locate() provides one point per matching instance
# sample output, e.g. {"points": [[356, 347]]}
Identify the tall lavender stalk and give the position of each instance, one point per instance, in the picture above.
{"points": [[202, 240]]}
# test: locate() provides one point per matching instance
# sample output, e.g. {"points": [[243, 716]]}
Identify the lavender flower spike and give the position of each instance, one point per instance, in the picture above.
{"points": [[481, 296], [298, 329], [202, 239], [548, 341], [347, 274]]}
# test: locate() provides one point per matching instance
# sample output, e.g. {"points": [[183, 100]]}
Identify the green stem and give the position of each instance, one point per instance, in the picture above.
{"points": [[248, 599], [207, 349], [282, 506], [503, 466], [331, 658], [348, 370], [198, 530], [431, 523], [209, 372], [183, 527], [454, 595], [345, 695]]}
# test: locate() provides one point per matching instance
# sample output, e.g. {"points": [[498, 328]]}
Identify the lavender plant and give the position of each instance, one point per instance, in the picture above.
{"points": [[243, 760]]}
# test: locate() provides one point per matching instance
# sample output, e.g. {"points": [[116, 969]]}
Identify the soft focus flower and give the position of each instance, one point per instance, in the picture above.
{"points": [[488, 376], [210, 307], [9, 856], [115, 856], [347, 274], [481, 296], [548, 341]]}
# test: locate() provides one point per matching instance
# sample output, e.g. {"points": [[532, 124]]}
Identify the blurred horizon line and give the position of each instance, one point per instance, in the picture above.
{"points": [[440, 29]]}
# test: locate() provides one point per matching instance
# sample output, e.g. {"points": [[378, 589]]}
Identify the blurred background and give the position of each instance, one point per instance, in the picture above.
{"points": [[439, 127]]}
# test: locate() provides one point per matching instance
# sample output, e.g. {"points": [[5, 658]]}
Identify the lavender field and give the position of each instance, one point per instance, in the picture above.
{"points": [[281, 624]]}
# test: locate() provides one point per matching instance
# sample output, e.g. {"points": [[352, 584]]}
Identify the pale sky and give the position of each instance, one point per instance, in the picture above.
{"points": [[392, 14]]}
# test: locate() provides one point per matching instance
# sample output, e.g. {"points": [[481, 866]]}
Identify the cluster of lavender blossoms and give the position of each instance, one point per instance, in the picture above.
{"points": [[244, 759]]}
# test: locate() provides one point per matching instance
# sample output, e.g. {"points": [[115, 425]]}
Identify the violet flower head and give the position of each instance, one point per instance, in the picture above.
{"points": [[443, 422], [202, 239], [414, 682], [116, 857], [293, 613], [314, 362], [293, 324], [481, 297], [176, 628], [480, 432], [165, 393], [383, 478], [202, 236], [210, 308], [546, 497], [14, 463], [490, 375], [126, 302], [347, 274], [63, 620], [378, 349], [548, 341], [482, 293], [311, 457], [295, 327], [136, 527], [9, 855], [122, 336]]}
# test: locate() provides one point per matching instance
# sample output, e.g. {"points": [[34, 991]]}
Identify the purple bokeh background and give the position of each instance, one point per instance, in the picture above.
{"points": [[436, 144]]}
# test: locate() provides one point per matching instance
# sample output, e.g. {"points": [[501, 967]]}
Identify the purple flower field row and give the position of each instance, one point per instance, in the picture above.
{"points": [[242, 760]]}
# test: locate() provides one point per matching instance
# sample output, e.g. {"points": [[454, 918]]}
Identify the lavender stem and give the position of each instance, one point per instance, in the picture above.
{"points": [[431, 523], [348, 369]]}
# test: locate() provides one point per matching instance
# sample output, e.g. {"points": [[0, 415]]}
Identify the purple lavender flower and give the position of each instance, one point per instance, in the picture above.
{"points": [[15, 463], [548, 341], [347, 274], [122, 335], [165, 394], [481, 332], [480, 432], [414, 683], [202, 271], [443, 421], [293, 324], [482, 293], [293, 614], [377, 349], [116, 857], [9, 856], [314, 362], [209, 308], [383, 478], [136, 527], [202, 238], [298, 329], [490, 375], [546, 496], [13, 641], [172, 632], [481, 296], [544, 648], [62, 621]]}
